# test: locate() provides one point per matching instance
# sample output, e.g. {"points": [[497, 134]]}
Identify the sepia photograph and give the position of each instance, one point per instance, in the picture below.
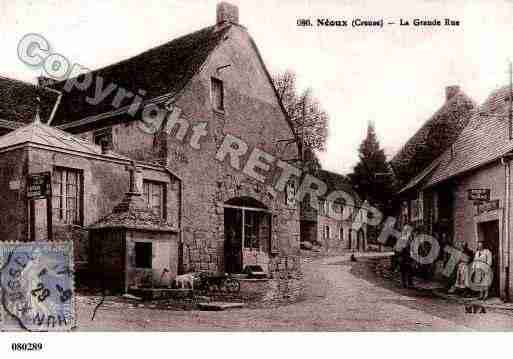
{"points": [[293, 167]]}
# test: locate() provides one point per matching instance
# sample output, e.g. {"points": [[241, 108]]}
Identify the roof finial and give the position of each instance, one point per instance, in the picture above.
{"points": [[37, 119]]}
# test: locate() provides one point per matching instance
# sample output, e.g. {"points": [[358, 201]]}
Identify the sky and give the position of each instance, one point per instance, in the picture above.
{"points": [[393, 76]]}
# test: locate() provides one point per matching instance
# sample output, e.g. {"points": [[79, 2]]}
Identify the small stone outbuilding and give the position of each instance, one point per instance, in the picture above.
{"points": [[133, 247]]}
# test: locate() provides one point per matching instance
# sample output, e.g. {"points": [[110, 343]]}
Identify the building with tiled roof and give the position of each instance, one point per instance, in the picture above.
{"points": [[38, 134], [203, 108], [435, 135], [464, 195], [156, 74], [485, 139], [83, 181], [331, 224]]}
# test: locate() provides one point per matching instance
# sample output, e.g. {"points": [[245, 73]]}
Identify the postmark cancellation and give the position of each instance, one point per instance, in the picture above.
{"points": [[37, 286]]}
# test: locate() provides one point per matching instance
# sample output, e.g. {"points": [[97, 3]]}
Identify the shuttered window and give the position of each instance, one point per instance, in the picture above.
{"points": [[67, 196], [217, 94], [154, 195]]}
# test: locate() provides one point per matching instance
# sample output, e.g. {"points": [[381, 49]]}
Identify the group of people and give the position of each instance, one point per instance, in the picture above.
{"points": [[473, 271], [474, 276]]}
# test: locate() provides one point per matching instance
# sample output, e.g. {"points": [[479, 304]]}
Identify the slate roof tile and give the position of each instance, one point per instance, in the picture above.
{"points": [[18, 104], [484, 139], [433, 138], [162, 70]]}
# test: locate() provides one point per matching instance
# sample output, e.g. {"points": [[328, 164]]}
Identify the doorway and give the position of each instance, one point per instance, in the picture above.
{"points": [[247, 228], [489, 233], [360, 240], [233, 240]]}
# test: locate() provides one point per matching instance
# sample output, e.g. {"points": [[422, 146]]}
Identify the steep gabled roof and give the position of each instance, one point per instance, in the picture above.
{"points": [[433, 138], [158, 71], [19, 102], [484, 140]]}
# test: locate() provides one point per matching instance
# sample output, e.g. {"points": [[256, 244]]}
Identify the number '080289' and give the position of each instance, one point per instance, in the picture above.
{"points": [[18, 347]]}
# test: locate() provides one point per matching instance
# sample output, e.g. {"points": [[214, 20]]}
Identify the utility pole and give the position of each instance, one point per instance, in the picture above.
{"points": [[303, 134], [510, 97]]}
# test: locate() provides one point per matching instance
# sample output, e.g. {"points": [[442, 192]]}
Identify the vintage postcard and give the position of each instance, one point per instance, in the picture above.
{"points": [[267, 166]]}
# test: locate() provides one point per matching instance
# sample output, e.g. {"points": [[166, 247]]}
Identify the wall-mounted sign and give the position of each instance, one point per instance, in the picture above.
{"points": [[479, 194], [39, 185], [488, 206]]}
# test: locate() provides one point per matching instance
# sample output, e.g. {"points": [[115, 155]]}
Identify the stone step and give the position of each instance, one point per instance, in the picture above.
{"points": [[219, 305], [160, 293]]}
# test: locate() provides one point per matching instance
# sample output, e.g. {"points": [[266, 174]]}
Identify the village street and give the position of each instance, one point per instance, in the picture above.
{"points": [[340, 295]]}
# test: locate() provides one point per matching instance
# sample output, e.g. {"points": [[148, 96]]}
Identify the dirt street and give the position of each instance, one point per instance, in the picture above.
{"points": [[340, 296]]}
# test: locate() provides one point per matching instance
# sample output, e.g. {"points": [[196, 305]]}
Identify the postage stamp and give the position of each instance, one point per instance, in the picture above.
{"points": [[37, 286]]}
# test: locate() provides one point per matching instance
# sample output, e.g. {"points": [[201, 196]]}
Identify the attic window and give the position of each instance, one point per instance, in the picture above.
{"points": [[217, 94]]}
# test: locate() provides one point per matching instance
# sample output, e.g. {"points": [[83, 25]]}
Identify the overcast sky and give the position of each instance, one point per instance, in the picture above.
{"points": [[394, 76]]}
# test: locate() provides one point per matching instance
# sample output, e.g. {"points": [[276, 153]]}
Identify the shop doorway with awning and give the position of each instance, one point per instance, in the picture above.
{"points": [[247, 228]]}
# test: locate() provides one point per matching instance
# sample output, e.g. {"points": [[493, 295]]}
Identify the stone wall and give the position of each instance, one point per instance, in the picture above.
{"points": [[13, 204], [165, 257], [105, 182], [253, 114]]}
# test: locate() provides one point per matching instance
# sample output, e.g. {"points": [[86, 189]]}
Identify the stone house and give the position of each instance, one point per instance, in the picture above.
{"points": [[334, 231], [477, 162], [214, 164], [84, 183], [417, 158]]}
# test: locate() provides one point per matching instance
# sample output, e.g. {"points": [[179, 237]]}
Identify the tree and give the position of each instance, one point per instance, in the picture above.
{"points": [[309, 120], [372, 176]]}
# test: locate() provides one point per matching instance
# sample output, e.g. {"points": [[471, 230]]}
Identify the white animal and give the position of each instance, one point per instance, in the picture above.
{"points": [[185, 281]]}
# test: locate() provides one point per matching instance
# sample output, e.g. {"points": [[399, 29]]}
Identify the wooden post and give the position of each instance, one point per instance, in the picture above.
{"points": [[510, 97], [32, 220], [49, 216], [243, 235]]}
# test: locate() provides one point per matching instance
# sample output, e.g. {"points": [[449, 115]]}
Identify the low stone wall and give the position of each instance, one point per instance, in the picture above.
{"points": [[284, 285], [266, 292]]}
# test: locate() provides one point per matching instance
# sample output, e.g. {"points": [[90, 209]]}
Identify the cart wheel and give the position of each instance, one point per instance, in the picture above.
{"points": [[232, 285], [223, 288]]}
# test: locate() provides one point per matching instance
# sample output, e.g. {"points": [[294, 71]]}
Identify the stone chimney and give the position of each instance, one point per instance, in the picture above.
{"points": [[451, 91], [227, 13], [133, 200]]}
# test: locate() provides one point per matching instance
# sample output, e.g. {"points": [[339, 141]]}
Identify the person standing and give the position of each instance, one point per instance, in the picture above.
{"points": [[462, 277], [406, 267], [481, 269]]}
